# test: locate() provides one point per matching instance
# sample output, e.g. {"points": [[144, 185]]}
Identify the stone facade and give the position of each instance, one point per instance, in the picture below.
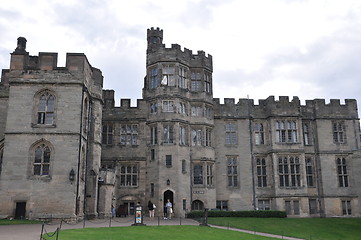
{"points": [[178, 143]]}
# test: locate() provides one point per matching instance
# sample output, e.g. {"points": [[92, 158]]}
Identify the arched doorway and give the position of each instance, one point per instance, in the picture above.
{"points": [[197, 205], [168, 195]]}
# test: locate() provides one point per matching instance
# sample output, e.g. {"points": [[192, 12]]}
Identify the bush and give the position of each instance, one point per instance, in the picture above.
{"points": [[255, 213]]}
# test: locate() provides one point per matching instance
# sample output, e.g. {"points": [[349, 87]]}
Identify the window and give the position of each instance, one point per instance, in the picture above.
{"points": [[129, 134], [259, 134], [197, 137], [310, 175], [168, 75], [222, 205], [312, 203], [306, 134], [152, 154], [209, 174], [107, 134], [207, 82], [41, 165], [153, 135], [182, 79], [198, 174], [1, 159], [129, 175], [292, 207], [232, 172], [154, 82], [153, 107], [286, 132], [168, 161], [45, 111], [168, 106], [184, 204], [182, 108], [85, 116], [289, 171], [152, 190], [168, 134], [346, 207], [231, 138], [184, 166], [264, 204], [208, 137], [182, 135], [261, 172], [342, 172], [196, 82], [197, 111], [208, 112], [339, 135]]}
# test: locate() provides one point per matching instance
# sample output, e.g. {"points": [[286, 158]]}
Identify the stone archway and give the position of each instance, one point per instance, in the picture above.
{"points": [[197, 205]]}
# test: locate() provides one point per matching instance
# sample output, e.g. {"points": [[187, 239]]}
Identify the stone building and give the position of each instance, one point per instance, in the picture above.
{"points": [[66, 150]]}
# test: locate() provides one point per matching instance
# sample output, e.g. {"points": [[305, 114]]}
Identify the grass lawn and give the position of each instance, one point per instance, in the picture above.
{"points": [[306, 228], [154, 233], [16, 221]]}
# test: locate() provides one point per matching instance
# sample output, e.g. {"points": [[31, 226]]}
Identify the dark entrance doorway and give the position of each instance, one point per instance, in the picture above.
{"points": [[168, 195], [20, 210]]}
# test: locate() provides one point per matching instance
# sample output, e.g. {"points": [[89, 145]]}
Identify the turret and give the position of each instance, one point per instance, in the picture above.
{"points": [[154, 38]]}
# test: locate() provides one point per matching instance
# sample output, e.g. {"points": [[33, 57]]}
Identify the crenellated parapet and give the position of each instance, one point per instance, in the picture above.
{"points": [[157, 52], [317, 108]]}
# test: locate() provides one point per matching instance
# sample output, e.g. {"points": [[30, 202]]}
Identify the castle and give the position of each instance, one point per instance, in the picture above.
{"points": [[66, 150]]}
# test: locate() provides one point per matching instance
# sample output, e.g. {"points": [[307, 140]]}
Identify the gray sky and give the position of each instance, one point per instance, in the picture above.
{"points": [[309, 49]]}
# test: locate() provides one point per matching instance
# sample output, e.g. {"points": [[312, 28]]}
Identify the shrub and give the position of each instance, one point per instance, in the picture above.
{"points": [[255, 213]]}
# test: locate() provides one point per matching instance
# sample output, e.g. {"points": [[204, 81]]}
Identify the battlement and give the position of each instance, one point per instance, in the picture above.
{"points": [[284, 107], [158, 52]]}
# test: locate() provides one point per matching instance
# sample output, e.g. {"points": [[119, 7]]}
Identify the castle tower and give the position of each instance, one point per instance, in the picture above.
{"points": [[178, 92]]}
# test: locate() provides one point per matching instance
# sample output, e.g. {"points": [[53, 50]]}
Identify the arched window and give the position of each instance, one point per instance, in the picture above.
{"points": [[41, 164], [45, 108]]}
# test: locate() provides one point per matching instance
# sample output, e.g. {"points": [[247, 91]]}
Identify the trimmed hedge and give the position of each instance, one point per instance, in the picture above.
{"points": [[256, 213]]}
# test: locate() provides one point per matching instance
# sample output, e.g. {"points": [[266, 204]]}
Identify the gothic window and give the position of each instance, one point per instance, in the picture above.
{"points": [[41, 163], [182, 79], [310, 174], [85, 116], [184, 166], [264, 204], [208, 137], [129, 175], [232, 171], [153, 107], [342, 172], [292, 207], [231, 136], [196, 84], [289, 171], [168, 134], [198, 174], [306, 134], [45, 108], [168, 106], [312, 205], [346, 207], [286, 132], [182, 135], [182, 108], [154, 81], [207, 82], [168, 161], [153, 135], [339, 135], [259, 134], [197, 111], [209, 175], [208, 112], [197, 137], [107, 134], [222, 205], [129, 134], [261, 172], [168, 75]]}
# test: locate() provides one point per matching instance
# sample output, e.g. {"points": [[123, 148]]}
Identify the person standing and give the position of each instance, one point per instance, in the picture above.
{"points": [[169, 207], [151, 209]]}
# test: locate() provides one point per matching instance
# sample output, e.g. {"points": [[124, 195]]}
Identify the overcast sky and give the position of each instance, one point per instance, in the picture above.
{"points": [[310, 49]]}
